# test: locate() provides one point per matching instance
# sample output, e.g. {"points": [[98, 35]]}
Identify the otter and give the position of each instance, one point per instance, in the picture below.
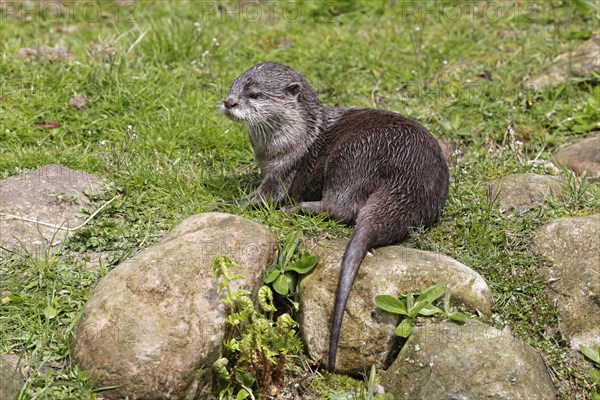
{"points": [[375, 169]]}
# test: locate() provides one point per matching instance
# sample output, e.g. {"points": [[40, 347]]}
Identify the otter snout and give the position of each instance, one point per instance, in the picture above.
{"points": [[230, 103]]}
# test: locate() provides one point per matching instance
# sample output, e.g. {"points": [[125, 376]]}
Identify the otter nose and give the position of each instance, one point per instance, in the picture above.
{"points": [[230, 103]]}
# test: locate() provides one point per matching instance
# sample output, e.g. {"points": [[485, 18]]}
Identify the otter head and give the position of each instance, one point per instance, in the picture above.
{"points": [[270, 98]]}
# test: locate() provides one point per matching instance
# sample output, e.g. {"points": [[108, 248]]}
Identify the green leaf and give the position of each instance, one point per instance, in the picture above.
{"points": [[384, 396], [595, 376], [416, 309], [296, 305], [372, 380], [430, 309], [291, 280], [281, 286], [457, 317], [587, 6], [456, 121], [405, 328], [242, 394], [13, 297], [50, 312], [285, 284], [245, 378], [593, 355], [391, 304], [447, 302], [432, 293], [447, 125], [287, 249], [410, 301], [272, 274], [304, 265]]}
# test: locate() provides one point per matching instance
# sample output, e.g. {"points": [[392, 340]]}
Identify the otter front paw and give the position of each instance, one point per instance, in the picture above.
{"points": [[254, 200], [306, 207]]}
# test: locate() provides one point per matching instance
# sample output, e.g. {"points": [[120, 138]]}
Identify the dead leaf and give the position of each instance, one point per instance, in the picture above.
{"points": [[47, 124]]}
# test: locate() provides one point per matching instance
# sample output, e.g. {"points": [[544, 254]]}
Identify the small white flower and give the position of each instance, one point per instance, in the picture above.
{"points": [[445, 62], [102, 143], [197, 24]]}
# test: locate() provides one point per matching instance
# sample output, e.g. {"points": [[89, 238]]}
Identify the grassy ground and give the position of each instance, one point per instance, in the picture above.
{"points": [[155, 72]]}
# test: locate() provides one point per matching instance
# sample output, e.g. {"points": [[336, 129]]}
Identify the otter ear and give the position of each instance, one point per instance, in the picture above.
{"points": [[293, 89]]}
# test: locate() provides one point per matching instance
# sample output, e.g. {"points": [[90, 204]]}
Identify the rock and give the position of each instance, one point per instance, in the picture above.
{"points": [[471, 361], [11, 378], [79, 102], [584, 60], [52, 195], [45, 53], [155, 323], [368, 332], [521, 192], [572, 245], [582, 157]]}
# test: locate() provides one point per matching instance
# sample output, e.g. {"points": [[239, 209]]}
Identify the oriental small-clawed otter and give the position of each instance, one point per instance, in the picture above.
{"points": [[376, 169]]}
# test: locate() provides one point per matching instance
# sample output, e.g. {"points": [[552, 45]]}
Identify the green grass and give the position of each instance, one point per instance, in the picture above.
{"points": [[153, 132]]}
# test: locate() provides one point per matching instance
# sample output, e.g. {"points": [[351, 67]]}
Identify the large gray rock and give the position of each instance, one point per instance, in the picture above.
{"points": [[11, 378], [581, 62], [155, 322], [447, 361], [368, 332], [52, 195], [572, 245], [521, 192], [582, 157]]}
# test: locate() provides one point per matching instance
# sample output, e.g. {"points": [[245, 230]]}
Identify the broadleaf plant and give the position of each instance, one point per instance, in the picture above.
{"points": [[283, 274], [594, 357], [411, 309]]}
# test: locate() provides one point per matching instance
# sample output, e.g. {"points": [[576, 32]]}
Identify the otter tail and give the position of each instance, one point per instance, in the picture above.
{"points": [[375, 226], [356, 250]]}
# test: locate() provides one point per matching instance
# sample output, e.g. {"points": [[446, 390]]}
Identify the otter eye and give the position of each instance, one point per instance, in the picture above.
{"points": [[255, 95]]}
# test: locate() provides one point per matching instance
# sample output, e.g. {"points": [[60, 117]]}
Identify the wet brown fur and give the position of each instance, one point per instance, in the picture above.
{"points": [[376, 169]]}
